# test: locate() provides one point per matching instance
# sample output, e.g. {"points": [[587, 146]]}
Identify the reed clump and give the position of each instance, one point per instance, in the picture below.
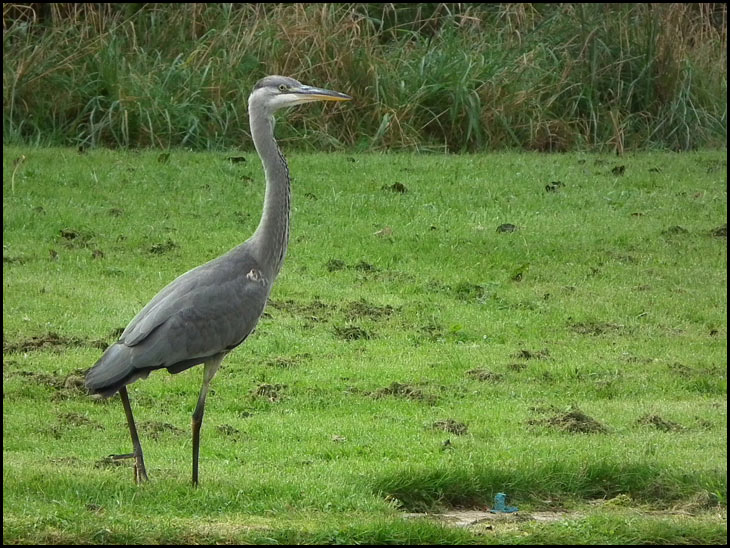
{"points": [[447, 77]]}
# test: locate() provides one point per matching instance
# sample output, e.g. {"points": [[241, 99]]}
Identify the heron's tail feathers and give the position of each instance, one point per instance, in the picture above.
{"points": [[114, 370]]}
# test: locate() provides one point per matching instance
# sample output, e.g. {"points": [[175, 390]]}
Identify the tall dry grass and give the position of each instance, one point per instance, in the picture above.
{"points": [[452, 77]]}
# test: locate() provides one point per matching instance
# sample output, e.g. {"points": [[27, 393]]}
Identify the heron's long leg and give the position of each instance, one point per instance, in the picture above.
{"points": [[211, 367], [140, 473]]}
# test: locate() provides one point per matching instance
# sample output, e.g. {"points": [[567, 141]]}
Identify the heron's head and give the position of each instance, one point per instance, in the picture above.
{"points": [[275, 92]]}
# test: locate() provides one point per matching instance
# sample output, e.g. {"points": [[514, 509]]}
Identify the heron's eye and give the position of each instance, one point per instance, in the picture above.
{"points": [[283, 87]]}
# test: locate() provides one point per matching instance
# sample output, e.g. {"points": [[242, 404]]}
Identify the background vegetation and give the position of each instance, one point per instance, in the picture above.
{"points": [[454, 77]]}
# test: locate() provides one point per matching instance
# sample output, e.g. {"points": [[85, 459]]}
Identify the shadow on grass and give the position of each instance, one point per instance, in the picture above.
{"points": [[429, 490]]}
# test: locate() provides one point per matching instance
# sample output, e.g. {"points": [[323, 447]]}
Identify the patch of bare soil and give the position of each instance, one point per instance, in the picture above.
{"points": [[395, 187], [155, 429], [363, 309], [160, 248], [451, 425], [675, 230], [507, 227], [75, 381], [287, 362], [364, 266], [108, 462], [554, 186], [720, 231], [432, 331], [404, 390], [76, 419], [318, 311], [464, 291], [351, 333], [16, 259], [45, 379], [65, 461], [271, 392], [467, 291], [315, 311], [333, 265], [73, 238], [484, 375], [525, 354], [481, 520], [596, 328], [573, 421], [487, 521], [50, 341], [72, 385], [659, 423], [228, 430]]}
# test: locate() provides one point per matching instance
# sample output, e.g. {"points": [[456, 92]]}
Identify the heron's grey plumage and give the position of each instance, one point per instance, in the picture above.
{"points": [[205, 312], [208, 311]]}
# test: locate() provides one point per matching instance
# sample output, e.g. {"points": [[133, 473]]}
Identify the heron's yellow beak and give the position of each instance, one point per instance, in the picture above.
{"points": [[309, 93]]}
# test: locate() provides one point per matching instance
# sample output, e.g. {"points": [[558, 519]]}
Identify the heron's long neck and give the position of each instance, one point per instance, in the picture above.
{"points": [[272, 234]]}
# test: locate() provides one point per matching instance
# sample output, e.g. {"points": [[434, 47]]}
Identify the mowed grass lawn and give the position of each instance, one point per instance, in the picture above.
{"points": [[445, 328]]}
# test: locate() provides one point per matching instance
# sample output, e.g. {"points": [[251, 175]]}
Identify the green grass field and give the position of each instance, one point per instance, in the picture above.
{"points": [[445, 328]]}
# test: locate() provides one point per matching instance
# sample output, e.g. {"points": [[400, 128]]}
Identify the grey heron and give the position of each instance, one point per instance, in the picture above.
{"points": [[208, 311]]}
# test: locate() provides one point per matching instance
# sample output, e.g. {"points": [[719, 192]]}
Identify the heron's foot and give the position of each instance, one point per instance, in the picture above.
{"points": [[140, 472]]}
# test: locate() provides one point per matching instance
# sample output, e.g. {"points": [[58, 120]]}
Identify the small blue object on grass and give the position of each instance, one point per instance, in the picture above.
{"points": [[500, 507]]}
